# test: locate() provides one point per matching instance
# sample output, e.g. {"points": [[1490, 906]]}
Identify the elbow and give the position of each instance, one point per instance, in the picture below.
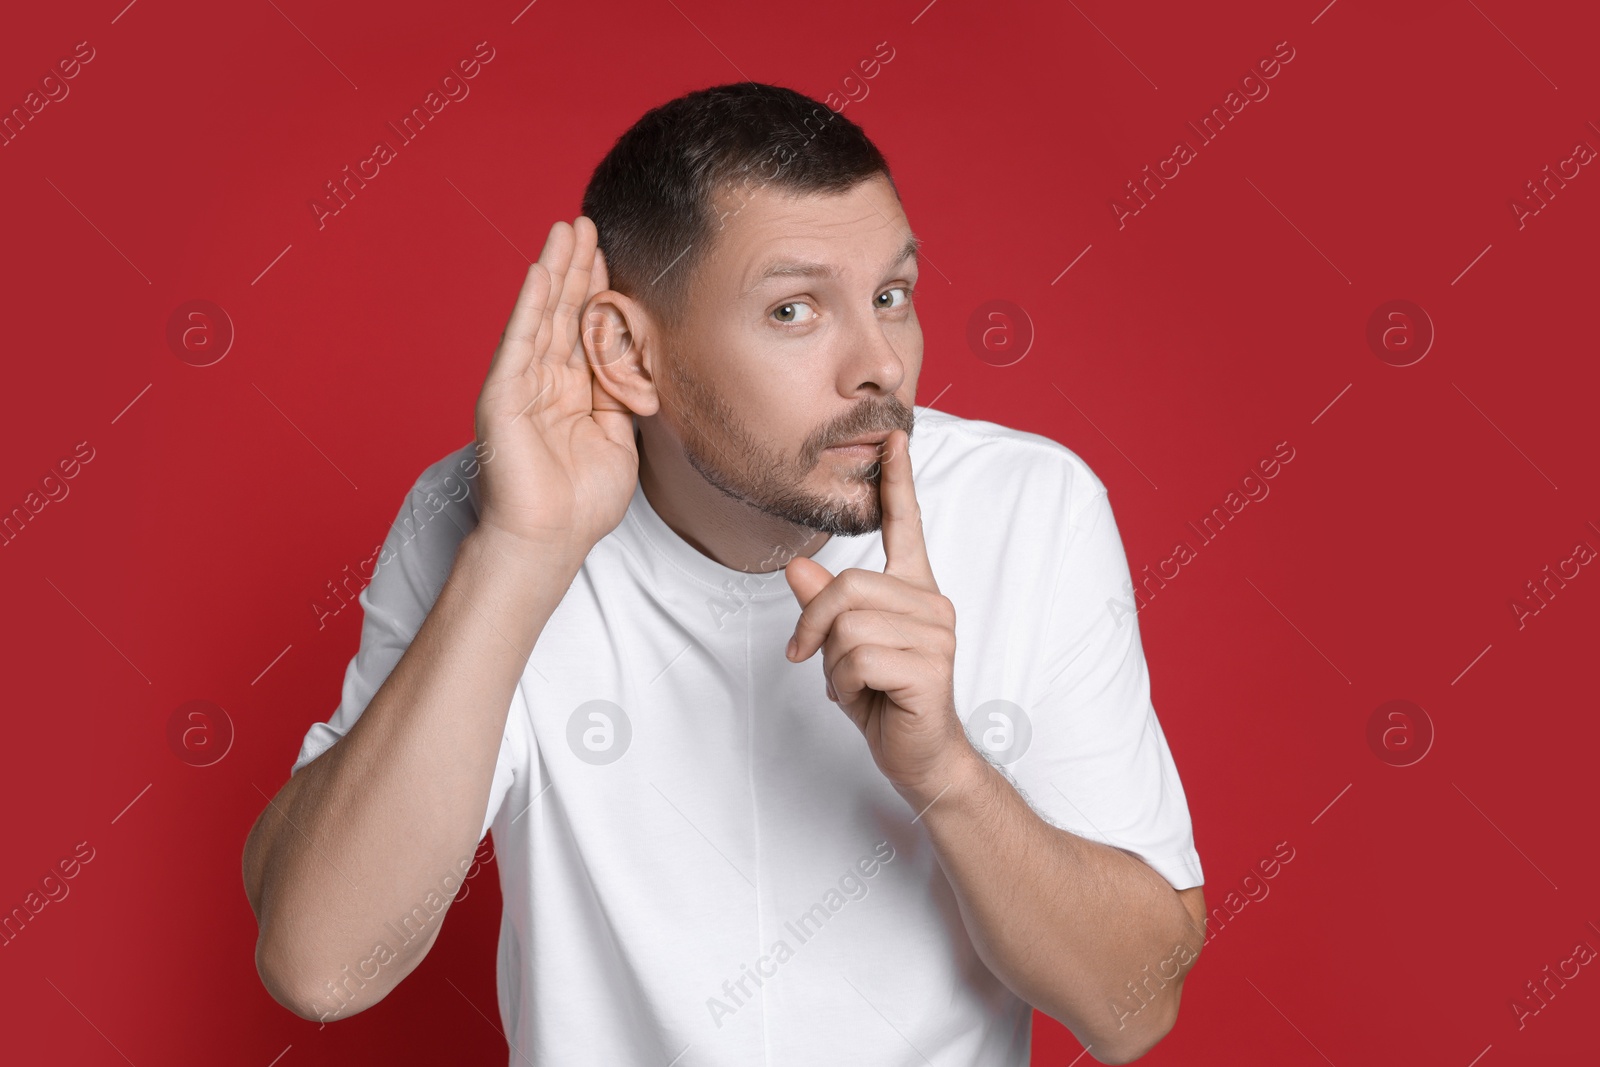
{"points": [[1125, 1053], [282, 984], [287, 984], [1126, 1046]]}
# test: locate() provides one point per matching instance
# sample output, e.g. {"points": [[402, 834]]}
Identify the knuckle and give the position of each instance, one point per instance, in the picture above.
{"points": [[852, 580], [849, 627]]}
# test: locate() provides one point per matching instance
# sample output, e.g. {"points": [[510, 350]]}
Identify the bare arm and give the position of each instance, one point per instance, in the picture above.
{"points": [[1087, 933], [367, 833]]}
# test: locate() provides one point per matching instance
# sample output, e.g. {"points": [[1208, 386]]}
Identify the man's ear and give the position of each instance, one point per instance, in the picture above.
{"points": [[619, 341]]}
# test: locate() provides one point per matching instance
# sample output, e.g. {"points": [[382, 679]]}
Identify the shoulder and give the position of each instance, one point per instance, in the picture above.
{"points": [[452, 481], [986, 464], [435, 515]]}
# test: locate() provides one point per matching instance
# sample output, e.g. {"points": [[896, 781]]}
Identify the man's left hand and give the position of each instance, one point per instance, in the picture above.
{"points": [[888, 642]]}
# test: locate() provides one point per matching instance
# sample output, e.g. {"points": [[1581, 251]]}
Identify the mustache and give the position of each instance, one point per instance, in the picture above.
{"points": [[877, 419]]}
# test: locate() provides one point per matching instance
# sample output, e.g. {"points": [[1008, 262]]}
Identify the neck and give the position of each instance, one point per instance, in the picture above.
{"points": [[731, 532]]}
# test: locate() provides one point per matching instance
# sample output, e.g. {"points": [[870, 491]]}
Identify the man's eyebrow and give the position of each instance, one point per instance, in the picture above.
{"points": [[807, 269]]}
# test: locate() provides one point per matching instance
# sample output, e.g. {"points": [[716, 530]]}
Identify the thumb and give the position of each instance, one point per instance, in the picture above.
{"points": [[806, 578]]}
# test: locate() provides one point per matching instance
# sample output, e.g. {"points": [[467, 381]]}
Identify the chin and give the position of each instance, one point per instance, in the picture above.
{"points": [[853, 520]]}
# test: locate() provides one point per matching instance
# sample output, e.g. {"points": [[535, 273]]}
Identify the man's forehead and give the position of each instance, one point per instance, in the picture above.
{"points": [[807, 258], [770, 231]]}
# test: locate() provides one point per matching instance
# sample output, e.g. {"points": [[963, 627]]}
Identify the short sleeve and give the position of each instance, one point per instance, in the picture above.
{"points": [[409, 572], [1098, 764]]}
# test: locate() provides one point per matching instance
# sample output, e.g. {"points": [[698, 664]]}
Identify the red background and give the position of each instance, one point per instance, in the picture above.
{"points": [[1228, 315]]}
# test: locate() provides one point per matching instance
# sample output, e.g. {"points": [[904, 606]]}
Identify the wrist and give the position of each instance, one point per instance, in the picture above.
{"points": [[521, 554], [963, 779], [517, 566]]}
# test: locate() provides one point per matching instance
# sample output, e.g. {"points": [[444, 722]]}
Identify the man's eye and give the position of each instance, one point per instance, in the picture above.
{"points": [[905, 298], [788, 312]]}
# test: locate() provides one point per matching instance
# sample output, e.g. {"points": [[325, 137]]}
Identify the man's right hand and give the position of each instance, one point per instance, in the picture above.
{"points": [[561, 464]]}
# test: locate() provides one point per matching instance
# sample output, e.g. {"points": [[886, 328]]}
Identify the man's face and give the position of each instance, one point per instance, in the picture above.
{"points": [[800, 333]]}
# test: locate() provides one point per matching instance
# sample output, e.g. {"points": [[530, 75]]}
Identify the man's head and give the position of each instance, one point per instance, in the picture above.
{"points": [[760, 308]]}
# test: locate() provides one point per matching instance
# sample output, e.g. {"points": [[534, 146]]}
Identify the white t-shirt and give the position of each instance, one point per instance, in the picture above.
{"points": [[698, 856]]}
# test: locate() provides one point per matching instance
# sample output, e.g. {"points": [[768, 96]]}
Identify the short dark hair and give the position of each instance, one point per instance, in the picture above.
{"points": [[651, 197]]}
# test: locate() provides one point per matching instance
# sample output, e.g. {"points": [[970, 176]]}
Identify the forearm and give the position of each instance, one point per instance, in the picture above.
{"points": [[363, 834], [1068, 924]]}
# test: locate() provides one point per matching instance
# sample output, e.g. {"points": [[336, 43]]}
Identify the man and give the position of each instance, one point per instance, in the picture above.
{"points": [[612, 627]]}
